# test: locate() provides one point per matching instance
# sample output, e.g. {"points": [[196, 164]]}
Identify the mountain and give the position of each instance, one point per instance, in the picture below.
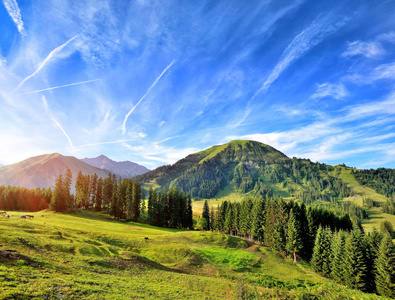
{"points": [[124, 169], [41, 171], [247, 167]]}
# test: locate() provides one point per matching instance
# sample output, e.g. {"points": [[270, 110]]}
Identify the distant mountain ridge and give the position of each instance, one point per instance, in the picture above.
{"points": [[124, 169], [42, 171]]}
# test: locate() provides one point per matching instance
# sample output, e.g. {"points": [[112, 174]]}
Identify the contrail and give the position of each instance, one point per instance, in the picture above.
{"points": [[15, 13], [60, 86], [134, 107], [61, 128], [46, 60]]}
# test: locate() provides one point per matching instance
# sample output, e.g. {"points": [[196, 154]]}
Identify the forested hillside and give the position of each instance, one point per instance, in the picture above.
{"points": [[249, 167]]}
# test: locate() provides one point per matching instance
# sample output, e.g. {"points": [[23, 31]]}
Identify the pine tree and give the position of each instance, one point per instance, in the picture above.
{"points": [[258, 219], [107, 192], [355, 263], [129, 201], [338, 249], [189, 223], [68, 177], [280, 224], [206, 215], [99, 194], [58, 196], [322, 252], [270, 222], [93, 188], [136, 188], [150, 205], [228, 224], [294, 241], [385, 268]]}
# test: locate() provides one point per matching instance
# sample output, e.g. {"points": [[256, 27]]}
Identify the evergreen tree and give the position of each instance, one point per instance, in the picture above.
{"points": [[150, 205], [280, 224], [228, 224], [294, 241], [189, 212], [338, 263], [107, 191], [355, 264], [270, 222], [58, 201], [258, 219], [114, 200], [385, 266], [322, 252], [129, 202], [93, 189], [136, 188], [206, 215], [68, 177], [99, 194]]}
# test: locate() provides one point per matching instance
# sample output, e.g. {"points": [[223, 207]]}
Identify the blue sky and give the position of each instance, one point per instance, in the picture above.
{"points": [[153, 81]]}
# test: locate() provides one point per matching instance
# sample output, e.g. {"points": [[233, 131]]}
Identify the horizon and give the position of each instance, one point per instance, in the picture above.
{"points": [[152, 83]]}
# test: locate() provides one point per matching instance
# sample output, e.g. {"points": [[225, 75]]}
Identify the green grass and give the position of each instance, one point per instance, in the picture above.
{"points": [[375, 214], [87, 255]]}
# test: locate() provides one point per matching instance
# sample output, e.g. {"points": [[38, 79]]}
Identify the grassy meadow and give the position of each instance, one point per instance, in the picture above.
{"points": [[88, 255]]}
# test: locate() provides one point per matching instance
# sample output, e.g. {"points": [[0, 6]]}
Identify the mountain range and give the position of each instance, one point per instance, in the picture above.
{"points": [[42, 171], [124, 169]]}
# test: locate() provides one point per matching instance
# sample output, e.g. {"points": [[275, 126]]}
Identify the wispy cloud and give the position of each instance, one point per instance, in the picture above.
{"points": [[51, 55], [142, 98], [15, 13], [45, 103], [310, 37], [368, 49], [64, 132], [58, 87], [160, 153], [337, 91]]}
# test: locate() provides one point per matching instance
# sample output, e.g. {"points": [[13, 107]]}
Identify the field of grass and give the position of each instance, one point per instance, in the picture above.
{"points": [[375, 214], [87, 255]]}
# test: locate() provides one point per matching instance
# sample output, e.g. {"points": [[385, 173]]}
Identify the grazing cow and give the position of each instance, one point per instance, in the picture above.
{"points": [[146, 238], [30, 216], [23, 217]]}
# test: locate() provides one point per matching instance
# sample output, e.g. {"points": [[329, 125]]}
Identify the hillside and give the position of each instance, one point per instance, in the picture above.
{"points": [[88, 256], [41, 171], [124, 169], [247, 167]]}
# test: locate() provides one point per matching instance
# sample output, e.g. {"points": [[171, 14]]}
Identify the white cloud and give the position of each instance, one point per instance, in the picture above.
{"points": [[310, 37], [159, 153], [51, 55], [146, 93], [368, 49], [15, 14], [337, 91], [64, 132], [45, 103]]}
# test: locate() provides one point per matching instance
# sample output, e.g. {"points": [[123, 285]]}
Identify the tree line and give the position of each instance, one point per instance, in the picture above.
{"points": [[122, 198], [336, 245], [171, 208], [20, 198], [360, 261], [285, 227]]}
